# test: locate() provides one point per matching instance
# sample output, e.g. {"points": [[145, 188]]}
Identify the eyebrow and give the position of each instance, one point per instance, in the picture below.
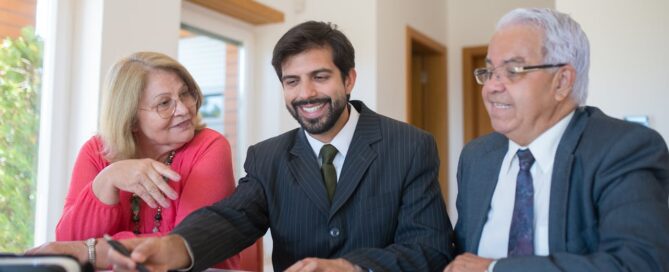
{"points": [[312, 73], [183, 88], [511, 60], [284, 78], [326, 70]]}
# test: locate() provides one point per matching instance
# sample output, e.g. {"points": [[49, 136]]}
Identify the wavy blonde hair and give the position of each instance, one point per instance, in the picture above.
{"points": [[122, 92]]}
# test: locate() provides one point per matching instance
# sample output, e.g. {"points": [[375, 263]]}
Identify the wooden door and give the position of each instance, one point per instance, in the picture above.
{"points": [[476, 119], [427, 104]]}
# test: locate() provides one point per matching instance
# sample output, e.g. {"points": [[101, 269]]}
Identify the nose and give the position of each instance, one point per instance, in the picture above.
{"points": [[499, 74], [496, 75], [307, 89], [494, 84], [180, 107]]}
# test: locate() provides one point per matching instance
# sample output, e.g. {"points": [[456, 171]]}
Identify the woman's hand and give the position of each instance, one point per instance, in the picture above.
{"points": [[76, 249], [143, 177]]}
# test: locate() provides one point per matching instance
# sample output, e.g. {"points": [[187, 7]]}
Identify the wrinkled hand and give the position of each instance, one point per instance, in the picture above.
{"points": [[143, 177], [468, 262], [76, 249], [325, 265], [157, 254]]}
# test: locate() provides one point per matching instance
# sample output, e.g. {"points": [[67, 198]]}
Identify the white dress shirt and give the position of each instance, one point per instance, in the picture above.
{"points": [[494, 241], [341, 141]]}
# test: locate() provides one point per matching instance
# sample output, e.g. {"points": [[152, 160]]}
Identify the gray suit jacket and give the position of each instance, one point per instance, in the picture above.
{"points": [[608, 203], [387, 213]]}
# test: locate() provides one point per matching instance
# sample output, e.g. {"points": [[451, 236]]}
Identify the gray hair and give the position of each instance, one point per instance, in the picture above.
{"points": [[564, 42]]}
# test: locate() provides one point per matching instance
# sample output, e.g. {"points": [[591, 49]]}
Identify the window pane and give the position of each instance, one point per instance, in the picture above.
{"points": [[20, 76], [214, 62]]}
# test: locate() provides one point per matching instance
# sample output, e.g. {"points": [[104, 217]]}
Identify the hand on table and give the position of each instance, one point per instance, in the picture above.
{"points": [[76, 249]]}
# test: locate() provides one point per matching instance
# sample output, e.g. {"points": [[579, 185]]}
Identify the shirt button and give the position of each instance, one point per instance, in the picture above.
{"points": [[334, 232]]}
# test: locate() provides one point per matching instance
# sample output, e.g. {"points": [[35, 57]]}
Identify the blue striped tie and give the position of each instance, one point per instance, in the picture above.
{"points": [[521, 235]]}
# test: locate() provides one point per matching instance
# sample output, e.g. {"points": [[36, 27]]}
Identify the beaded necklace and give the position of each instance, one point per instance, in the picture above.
{"points": [[134, 205]]}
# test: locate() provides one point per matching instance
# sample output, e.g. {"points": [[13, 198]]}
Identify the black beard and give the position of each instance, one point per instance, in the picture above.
{"points": [[323, 124]]}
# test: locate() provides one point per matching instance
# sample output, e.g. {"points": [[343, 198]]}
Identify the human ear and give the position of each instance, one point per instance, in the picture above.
{"points": [[564, 82], [349, 81]]}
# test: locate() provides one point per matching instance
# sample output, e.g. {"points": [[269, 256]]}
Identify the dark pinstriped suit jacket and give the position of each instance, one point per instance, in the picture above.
{"points": [[387, 213], [608, 199]]}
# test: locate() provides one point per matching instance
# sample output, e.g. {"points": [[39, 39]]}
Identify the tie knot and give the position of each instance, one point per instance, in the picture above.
{"points": [[328, 153], [525, 159]]}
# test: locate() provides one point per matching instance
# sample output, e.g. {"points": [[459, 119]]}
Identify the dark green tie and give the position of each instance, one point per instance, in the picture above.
{"points": [[328, 153]]}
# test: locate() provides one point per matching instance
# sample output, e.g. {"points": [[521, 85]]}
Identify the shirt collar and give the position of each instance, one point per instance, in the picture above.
{"points": [[544, 147], [343, 139]]}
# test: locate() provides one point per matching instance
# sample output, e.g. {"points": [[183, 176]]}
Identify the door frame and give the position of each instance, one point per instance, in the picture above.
{"points": [[469, 54], [437, 88]]}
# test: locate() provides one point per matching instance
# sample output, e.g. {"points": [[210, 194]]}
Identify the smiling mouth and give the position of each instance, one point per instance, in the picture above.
{"points": [[312, 108], [500, 105]]}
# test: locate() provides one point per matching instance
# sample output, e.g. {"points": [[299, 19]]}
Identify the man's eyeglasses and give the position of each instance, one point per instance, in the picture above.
{"points": [[509, 72], [167, 105]]}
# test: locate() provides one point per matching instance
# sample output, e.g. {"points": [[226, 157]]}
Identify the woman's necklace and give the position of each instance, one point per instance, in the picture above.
{"points": [[134, 205]]}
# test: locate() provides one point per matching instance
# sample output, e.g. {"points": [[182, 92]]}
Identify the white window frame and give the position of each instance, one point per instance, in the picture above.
{"points": [[205, 19], [54, 25]]}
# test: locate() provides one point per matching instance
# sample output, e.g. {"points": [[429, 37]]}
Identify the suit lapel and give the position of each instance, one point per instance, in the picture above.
{"points": [[359, 157], [305, 169], [560, 181], [482, 185]]}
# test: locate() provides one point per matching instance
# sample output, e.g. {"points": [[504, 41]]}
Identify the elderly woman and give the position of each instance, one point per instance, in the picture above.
{"points": [[151, 165]]}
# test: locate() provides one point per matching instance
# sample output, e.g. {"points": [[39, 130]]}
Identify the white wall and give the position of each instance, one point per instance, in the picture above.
{"points": [[628, 56], [470, 23], [427, 17]]}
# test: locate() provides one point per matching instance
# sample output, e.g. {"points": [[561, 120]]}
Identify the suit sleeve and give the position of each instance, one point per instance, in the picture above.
{"points": [[630, 197], [423, 239], [460, 236], [222, 230]]}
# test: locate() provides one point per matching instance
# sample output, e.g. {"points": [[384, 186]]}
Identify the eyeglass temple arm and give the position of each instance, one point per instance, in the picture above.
{"points": [[522, 69]]}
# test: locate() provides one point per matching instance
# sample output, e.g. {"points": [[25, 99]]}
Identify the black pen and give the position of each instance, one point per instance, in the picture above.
{"points": [[121, 249]]}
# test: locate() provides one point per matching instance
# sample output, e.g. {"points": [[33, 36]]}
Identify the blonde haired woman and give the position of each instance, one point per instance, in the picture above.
{"points": [[151, 164]]}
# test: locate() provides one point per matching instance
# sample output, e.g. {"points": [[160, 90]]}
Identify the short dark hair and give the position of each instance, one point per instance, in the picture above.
{"points": [[312, 34]]}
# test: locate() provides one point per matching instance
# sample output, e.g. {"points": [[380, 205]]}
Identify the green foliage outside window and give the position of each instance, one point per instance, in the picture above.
{"points": [[20, 76]]}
